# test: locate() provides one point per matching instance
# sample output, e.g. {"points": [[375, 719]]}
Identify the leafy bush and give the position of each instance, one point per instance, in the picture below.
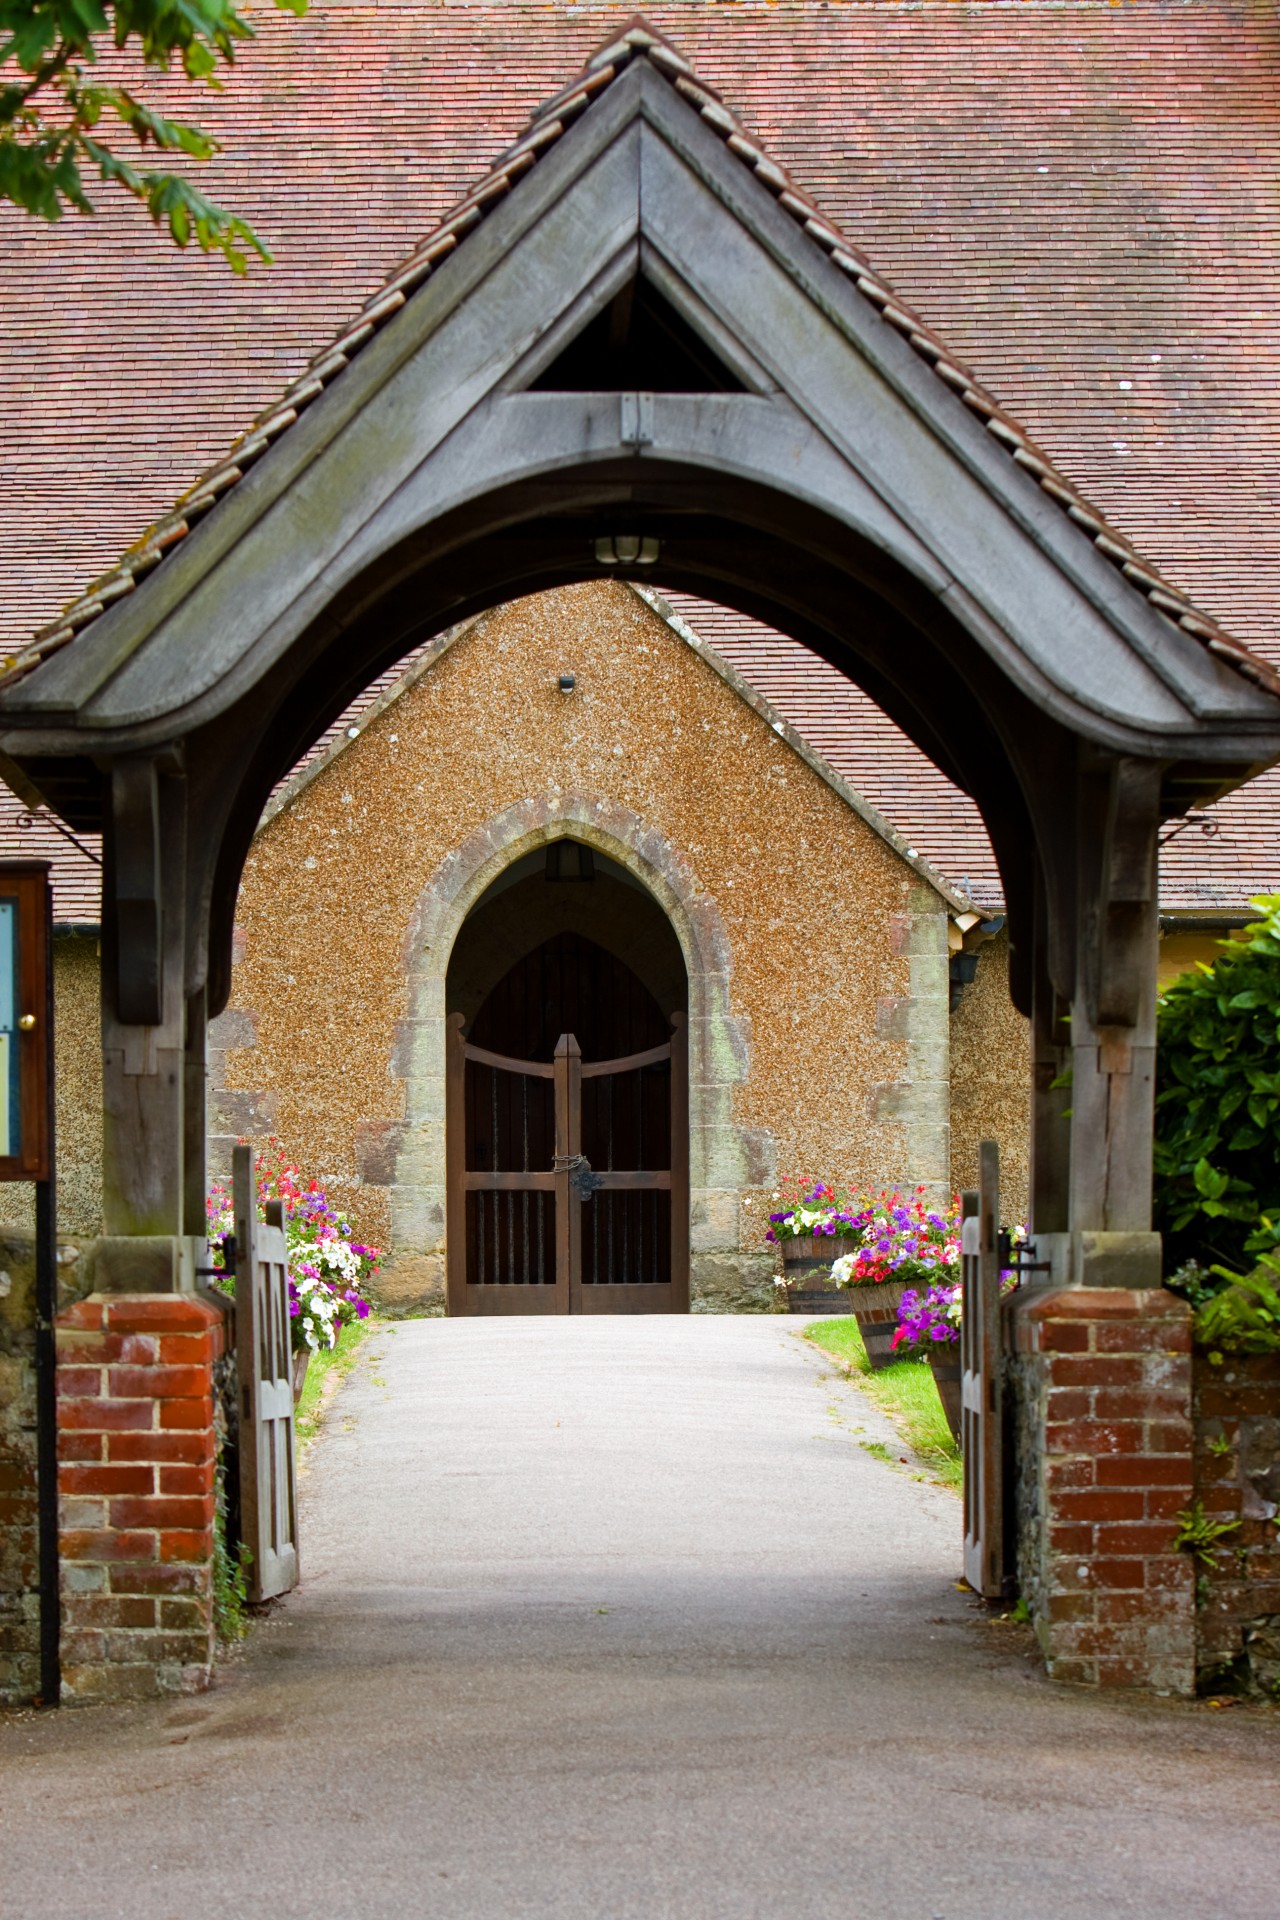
{"points": [[1245, 1316], [1217, 1171]]}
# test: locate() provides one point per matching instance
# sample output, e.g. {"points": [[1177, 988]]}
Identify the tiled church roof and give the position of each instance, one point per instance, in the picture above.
{"points": [[1082, 198], [635, 41]]}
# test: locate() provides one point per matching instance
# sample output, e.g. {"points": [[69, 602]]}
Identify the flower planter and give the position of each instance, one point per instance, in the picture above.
{"points": [[944, 1361], [806, 1262], [876, 1310]]}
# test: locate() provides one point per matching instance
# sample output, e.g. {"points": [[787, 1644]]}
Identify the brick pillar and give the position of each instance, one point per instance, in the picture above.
{"points": [[135, 1480], [1102, 1385]]}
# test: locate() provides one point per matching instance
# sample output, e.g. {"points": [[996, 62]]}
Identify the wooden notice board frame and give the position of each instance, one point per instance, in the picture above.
{"points": [[26, 884]]}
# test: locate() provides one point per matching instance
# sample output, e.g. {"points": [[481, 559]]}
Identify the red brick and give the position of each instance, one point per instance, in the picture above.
{"points": [[1094, 1437], [107, 1416], [191, 1447], [107, 1544], [1139, 1403], [1124, 1671], [1100, 1503], [159, 1579], [187, 1349], [1147, 1537], [1070, 1475], [189, 1546], [1063, 1404], [191, 1615], [197, 1480], [1070, 1606], [114, 1610], [160, 1313], [1122, 1607], [1118, 1574], [79, 1383], [106, 1480], [1059, 1336], [89, 1349], [1143, 1469], [1165, 1503], [80, 1446], [162, 1383], [1096, 1370], [173, 1510], [1137, 1336], [186, 1413], [85, 1314], [1074, 1540]]}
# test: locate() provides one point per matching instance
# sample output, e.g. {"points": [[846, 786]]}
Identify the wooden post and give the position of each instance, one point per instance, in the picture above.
{"points": [[1113, 1028], [679, 1164], [144, 1009], [455, 1162], [568, 1083], [1050, 1103]]}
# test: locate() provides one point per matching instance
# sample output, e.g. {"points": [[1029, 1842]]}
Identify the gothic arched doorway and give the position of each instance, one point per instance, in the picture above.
{"points": [[567, 1096]]}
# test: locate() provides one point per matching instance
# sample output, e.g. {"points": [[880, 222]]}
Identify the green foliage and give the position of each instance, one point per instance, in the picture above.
{"points": [[230, 1572], [1217, 1172], [52, 114], [1245, 1316], [905, 1391], [1198, 1534]]}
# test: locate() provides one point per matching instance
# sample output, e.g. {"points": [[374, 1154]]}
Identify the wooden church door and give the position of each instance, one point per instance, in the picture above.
{"points": [[568, 1182]]}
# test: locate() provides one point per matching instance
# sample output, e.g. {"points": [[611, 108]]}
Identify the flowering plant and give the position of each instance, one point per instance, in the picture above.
{"points": [[902, 1240], [328, 1268], [928, 1319], [812, 1208]]}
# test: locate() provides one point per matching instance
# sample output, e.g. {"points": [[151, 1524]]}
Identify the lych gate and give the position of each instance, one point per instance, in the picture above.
{"points": [[637, 349]]}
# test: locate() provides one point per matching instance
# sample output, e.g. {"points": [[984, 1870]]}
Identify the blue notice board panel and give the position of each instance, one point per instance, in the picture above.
{"points": [[26, 1020]]}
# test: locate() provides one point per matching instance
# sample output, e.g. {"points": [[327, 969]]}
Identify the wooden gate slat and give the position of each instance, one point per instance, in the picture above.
{"points": [[982, 1387], [268, 1491]]}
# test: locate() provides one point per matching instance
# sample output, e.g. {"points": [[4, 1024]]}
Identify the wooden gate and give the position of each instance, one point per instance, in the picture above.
{"points": [[268, 1495], [982, 1392], [568, 1182]]}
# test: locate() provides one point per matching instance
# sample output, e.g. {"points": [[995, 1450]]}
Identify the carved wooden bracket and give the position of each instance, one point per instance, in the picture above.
{"points": [[135, 815]]}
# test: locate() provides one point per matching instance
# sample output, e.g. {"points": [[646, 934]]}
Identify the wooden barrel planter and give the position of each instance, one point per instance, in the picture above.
{"points": [[806, 1261], [876, 1311], [944, 1361]]}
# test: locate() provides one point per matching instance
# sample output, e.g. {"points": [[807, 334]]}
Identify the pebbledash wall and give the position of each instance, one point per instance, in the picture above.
{"points": [[815, 941]]}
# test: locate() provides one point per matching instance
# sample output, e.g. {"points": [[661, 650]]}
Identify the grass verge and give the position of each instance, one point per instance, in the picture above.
{"points": [[905, 1391], [326, 1371]]}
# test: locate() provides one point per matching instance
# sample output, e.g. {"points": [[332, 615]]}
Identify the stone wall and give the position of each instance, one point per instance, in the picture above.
{"points": [[990, 1081], [824, 1047], [19, 1553], [1237, 1485]]}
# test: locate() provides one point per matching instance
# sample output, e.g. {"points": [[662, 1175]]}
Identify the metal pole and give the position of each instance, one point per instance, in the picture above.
{"points": [[47, 1372]]}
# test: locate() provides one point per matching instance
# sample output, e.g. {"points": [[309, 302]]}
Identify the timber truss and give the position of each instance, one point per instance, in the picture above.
{"points": [[638, 350]]}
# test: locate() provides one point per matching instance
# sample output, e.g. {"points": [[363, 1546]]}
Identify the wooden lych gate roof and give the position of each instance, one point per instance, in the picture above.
{"points": [[792, 438]]}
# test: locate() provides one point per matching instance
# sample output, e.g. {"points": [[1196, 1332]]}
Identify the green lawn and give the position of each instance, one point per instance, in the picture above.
{"points": [[905, 1391], [308, 1415]]}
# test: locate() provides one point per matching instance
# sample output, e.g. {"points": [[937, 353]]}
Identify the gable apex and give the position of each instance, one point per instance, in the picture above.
{"points": [[638, 44]]}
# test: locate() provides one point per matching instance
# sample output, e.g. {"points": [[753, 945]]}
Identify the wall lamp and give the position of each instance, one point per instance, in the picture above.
{"points": [[629, 549]]}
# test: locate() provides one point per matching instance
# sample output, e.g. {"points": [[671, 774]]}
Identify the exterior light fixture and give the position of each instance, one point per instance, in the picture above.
{"points": [[570, 860], [629, 549], [567, 682]]}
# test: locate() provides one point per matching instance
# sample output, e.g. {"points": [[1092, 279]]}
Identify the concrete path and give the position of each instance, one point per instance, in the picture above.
{"points": [[620, 1620]]}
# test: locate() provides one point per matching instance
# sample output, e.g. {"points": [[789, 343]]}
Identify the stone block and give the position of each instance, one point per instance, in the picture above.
{"points": [[377, 1147]]}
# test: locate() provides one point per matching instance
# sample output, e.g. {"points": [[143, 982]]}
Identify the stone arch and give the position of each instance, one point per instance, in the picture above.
{"points": [[723, 1156]]}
